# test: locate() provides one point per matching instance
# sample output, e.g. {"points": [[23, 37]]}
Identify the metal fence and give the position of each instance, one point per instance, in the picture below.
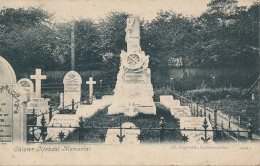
{"points": [[218, 121], [82, 129]]}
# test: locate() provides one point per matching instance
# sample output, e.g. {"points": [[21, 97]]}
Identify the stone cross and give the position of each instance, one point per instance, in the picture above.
{"points": [[38, 86], [91, 83]]}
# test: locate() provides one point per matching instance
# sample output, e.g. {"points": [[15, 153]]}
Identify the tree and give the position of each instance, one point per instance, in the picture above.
{"points": [[27, 39], [87, 45], [164, 39], [112, 30], [221, 32]]}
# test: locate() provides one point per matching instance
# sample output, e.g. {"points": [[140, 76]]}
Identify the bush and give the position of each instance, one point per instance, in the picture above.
{"points": [[217, 94]]}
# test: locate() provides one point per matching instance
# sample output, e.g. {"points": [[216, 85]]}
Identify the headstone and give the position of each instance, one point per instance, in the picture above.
{"points": [[133, 91], [72, 89], [130, 135], [61, 120], [61, 100], [40, 105], [26, 85], [38, 86], [90, 83], [12, 106], [195, 123]]}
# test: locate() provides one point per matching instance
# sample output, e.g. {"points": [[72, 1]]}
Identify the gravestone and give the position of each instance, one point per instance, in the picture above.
{"points": [[72, 89], [61, 120], [130, 135], [61, 100], [133, 91], [26, 85], [91, 83], [39, 104], [38, 86], [12, 106]]}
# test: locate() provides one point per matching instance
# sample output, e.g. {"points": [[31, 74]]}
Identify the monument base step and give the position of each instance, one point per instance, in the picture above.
{"points": [[117, 109]]}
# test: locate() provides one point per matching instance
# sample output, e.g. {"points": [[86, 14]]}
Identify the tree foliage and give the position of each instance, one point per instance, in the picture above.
{"points": [[225, 34], [27, 39]]}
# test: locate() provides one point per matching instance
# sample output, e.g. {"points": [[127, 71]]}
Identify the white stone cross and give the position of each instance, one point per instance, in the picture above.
{"points": [[38, 86], [91, 83]]}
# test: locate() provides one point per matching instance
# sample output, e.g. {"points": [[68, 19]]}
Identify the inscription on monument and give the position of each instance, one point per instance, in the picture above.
{"points": [[134, 78], [72, 87]]}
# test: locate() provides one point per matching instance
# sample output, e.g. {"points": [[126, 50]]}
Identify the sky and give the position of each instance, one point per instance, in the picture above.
{"points": [[65, 10]]}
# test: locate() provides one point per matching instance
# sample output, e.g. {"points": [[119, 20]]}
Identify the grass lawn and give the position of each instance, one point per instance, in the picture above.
{"points": [[141, 120], [235, 107]]}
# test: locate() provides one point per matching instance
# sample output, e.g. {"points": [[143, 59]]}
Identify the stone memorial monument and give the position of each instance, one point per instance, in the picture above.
{"points": [[133, 91], [72, 88], [12, 106], [26, 85], [91, 83], [37, 102]]}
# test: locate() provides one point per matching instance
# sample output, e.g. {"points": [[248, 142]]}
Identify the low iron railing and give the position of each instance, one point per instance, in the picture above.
{"points": [[162, 129]]}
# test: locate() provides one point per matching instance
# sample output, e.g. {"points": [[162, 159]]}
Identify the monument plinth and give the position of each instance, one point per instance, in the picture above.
{"points": [[133, 91]]}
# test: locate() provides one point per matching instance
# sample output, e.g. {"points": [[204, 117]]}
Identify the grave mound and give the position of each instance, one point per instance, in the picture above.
{"points": [[143, 121]]}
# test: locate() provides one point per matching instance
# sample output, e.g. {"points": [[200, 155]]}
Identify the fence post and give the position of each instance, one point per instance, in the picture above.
{"points": [[72, 104], [215, 123], [201, 113], [34, 118], [101, 87], [50, 113], [171, 83], [250, 132], [192, 114], [43, 128], [191, 97], [239, 121], [121, 137], [205, 109], [209, 117], [238, 135], [229, 118], [194, 109], [197, 105], [205, 126], [81, 136], [63, 102], [181, 99], [162, 131]]}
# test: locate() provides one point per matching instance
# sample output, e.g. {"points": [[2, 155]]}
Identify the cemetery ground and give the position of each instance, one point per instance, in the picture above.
{"points": [[235, 105], [101, 119]]}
